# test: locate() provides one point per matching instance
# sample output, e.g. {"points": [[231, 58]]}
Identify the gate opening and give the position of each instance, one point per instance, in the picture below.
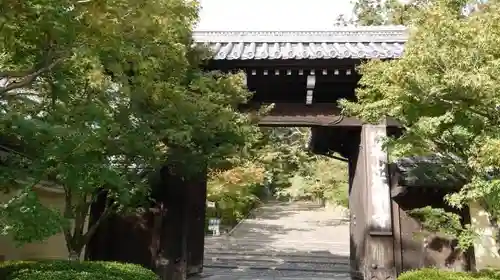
{"points": [[301, 225]]}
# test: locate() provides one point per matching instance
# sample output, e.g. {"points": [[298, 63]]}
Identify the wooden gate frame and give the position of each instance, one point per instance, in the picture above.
{"points": [[372, 229], [375, 259]]}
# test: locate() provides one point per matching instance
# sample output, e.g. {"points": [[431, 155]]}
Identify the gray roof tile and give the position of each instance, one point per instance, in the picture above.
{"points": [[346, 42]]}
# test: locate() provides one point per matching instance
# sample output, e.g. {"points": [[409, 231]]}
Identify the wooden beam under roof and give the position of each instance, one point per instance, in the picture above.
{"points": [[298, 114]]}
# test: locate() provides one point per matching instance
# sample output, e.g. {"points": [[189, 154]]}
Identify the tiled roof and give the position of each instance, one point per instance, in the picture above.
{"points": [[345, 42], [428, 171]]}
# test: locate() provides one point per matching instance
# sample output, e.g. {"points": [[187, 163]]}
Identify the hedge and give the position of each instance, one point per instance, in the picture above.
{"points": [[66, 270], [435, 274]]}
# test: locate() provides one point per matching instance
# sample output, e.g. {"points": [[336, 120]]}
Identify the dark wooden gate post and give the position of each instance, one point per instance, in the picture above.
{"points": [[196, 233], [183, 233], [379, 252], [172, 259]]}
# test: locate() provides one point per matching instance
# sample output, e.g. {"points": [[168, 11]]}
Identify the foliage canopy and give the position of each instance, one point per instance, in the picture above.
{"points": [[445, 92], [97, 94]]}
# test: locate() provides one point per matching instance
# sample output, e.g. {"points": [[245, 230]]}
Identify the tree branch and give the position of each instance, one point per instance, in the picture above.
{"points": [[68, 204], [81, 212], [93, 228], [470, 108], [67, 214], [27, 78], [2, 25]]}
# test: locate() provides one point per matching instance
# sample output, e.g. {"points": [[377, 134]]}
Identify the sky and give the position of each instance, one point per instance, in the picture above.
{"points": [[271, 15]]}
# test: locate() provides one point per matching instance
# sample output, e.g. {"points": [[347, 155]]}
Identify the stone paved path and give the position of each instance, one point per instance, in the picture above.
{"points": [[283, 241]]}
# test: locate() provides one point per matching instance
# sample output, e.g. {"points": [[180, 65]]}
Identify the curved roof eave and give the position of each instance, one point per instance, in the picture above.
{"points": [[363, 42]]}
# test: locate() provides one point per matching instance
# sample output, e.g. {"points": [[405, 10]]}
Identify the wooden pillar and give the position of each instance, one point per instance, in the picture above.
{"points": [[379, 260], [196, 232], [357, 209], [172, 259], [183, 230]]}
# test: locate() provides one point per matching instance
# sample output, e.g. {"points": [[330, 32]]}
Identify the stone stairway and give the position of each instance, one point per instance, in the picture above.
{"points": [[282, 241]]}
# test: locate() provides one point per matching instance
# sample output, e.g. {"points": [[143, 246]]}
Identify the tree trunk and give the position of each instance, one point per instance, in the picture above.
{"points": [[73, 246], [74, 255]]}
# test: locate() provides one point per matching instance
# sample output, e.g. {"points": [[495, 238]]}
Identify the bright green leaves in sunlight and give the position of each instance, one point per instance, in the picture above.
{"points": [[94, 95], [27, 220], [445, 91]]}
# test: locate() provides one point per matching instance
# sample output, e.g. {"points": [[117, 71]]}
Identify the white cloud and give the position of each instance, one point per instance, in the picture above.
{"points": [[271, 15]]}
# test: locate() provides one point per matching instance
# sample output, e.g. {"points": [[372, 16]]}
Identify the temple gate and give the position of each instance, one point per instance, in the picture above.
{"points": [[303, 74]]}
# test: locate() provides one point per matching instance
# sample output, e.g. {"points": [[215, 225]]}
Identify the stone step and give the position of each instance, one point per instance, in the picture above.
{"points": [[233, 277], [277, 265], [254, 241], [280, 245], [210, 273], [280, 248], [312, 254], [284, 241], [305, 257], [326, 250], [257, 239]]}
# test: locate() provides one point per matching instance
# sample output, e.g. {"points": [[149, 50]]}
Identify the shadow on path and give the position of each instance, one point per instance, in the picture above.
{"points": [[296, 239]]}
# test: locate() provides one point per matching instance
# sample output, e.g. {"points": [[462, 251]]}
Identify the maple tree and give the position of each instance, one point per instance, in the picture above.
{"points": [[444, 91], [95, 95]]}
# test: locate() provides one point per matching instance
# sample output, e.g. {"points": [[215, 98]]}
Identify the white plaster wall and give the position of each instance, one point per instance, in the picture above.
{"points": [[485, 246], [52, 248]]}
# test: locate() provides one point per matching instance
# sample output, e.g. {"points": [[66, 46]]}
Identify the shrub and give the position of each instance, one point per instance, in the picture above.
{"points": [[66, 270], [235, 191], [232, 207], [320, 179], [62, 275], [435, 274]]}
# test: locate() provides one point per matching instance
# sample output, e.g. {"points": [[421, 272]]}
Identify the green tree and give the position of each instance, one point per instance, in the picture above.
{"points": [[386, 12], [293, 172], [370, 12], [445, 92], [321, 178], [284, 154], [277, 166], [235, 191], [96, 95]]}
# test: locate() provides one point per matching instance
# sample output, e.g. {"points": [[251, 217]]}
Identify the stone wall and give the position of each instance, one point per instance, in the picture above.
{"points": [[486, 248]]}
